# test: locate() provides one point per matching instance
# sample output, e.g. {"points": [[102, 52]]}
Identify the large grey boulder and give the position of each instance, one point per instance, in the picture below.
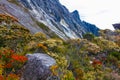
{"points": [[37, 67]]}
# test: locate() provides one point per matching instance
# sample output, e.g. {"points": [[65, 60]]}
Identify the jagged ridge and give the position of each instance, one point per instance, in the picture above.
{"points": [[51, 13]]}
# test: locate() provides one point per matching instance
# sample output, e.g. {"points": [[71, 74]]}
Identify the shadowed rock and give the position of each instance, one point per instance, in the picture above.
{"points": [[37, 67], [116, 26]]}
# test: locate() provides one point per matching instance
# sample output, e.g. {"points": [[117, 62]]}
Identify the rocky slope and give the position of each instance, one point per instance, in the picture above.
{"points": [[56, 59], [55, 16]]}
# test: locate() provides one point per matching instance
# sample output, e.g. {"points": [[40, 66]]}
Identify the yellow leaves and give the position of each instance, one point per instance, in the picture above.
{"points": [[55, 45], [90, 47], [42, 46], [119, 65], [14, 36], [117, 40], [1, 69], [39, 36], [54, 69], [79, 74], [53, 42], [89, 75], [60, 69], [19, 29], [113, 36], [1, 66], [68, 75], [105, 44], [8, 18], [61, 60], [86, 45], [31, 46]]}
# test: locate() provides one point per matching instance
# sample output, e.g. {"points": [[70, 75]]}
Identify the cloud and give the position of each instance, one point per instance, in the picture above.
{"points": [[103, 13]]}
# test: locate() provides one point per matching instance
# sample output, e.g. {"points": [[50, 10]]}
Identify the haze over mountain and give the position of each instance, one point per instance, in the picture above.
{"points": [[102, 13]]}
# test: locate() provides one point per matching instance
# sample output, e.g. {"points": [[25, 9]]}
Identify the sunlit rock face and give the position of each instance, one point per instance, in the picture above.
{"points": [[51, 13], [19, 12]]}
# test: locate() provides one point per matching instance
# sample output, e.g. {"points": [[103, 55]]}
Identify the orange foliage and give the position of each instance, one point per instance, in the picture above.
{"points": [[96, 62], [13, 76], [6, 52], [79, 74], [1, 77], [53, 69], [8, 65], [6, 17], [9, 56], [9, 59], [42, 46], [19, 58]]}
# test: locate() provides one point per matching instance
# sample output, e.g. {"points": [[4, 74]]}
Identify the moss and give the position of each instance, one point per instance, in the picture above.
{"points": [[41, 25], [46, 30], [14, 2], [53, 35]]}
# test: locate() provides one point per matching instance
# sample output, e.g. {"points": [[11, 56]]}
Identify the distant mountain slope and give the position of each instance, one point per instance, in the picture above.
{"points": [[56, 17]]}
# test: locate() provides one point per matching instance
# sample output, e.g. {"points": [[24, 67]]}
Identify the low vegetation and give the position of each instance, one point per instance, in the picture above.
{"points": [[91, 58], [14, 2]]}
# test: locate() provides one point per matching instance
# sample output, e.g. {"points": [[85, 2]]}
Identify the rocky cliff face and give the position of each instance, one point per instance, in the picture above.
{"points": [[51, 13]]}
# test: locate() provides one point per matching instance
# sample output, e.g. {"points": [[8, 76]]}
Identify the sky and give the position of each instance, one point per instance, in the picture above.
{"points": [[102, 13]]}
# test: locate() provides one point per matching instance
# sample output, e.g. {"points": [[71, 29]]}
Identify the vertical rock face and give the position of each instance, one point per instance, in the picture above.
{"points": [[87, 26], [37, 67], [91, 28], [51, 13]]}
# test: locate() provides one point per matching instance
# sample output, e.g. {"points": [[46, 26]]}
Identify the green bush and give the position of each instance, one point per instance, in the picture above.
{"points": [[88, 36], [42, 26], [115, 54]]}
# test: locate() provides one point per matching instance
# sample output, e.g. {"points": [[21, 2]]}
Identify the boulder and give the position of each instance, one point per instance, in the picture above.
{"points": [[38, 67], [117, 26]]}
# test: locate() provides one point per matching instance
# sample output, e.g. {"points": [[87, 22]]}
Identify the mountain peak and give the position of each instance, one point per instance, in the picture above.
{"points": [[75, 12], [75, 15], [52, 14]]}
